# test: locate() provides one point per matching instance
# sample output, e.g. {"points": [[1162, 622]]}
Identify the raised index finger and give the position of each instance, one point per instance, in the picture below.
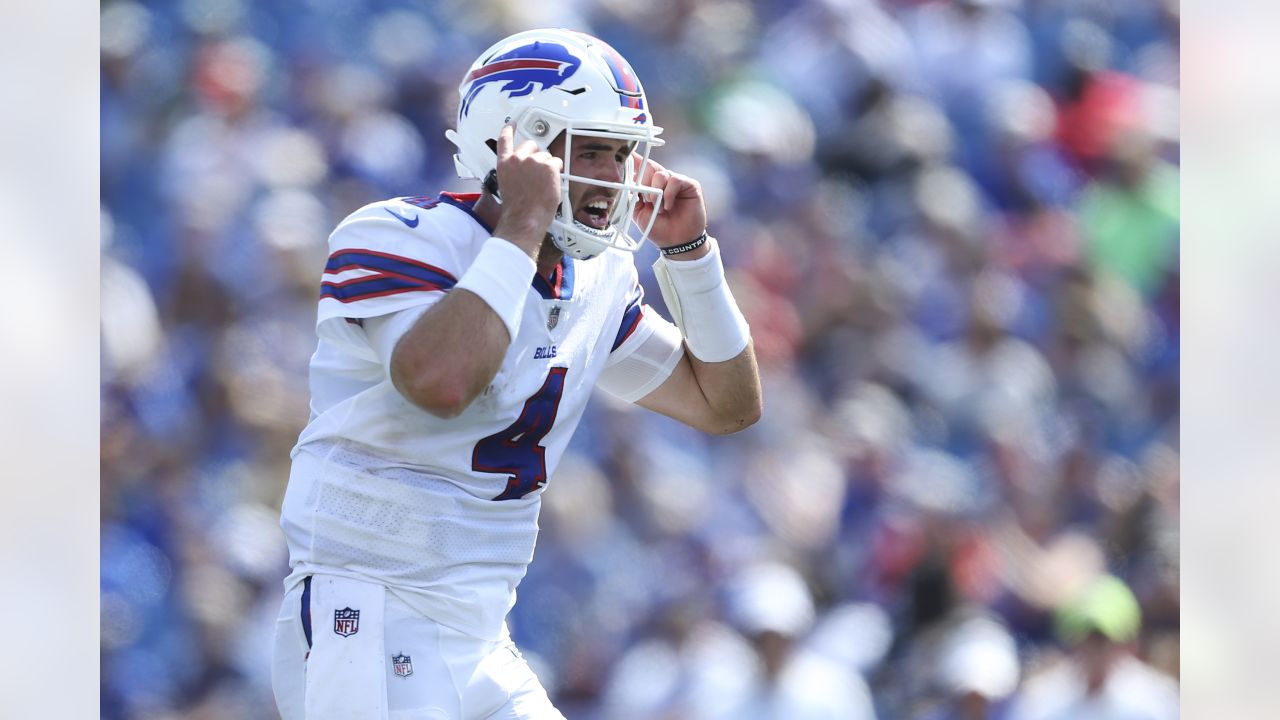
{"points": [[645, 176], [506, 139]]}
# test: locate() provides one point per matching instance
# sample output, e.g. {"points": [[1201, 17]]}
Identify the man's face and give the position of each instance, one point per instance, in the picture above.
{"points": [[598, 159]]}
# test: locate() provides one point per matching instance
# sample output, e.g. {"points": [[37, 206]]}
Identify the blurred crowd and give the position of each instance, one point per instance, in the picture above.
{"points": [[953, 226]]}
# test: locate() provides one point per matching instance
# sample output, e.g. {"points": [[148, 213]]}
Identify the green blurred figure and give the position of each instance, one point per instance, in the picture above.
{"points": [[1130, 215], [1101, 679]]}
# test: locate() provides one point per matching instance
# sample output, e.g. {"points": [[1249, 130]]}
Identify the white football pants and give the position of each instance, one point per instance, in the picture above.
{"points": [[349, 649]]}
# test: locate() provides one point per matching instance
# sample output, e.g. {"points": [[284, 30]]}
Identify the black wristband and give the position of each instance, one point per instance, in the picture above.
{"points": [[694, 245]]}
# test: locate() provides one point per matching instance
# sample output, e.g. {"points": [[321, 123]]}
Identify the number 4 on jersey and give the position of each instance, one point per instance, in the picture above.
{"points": [[517, 450]]}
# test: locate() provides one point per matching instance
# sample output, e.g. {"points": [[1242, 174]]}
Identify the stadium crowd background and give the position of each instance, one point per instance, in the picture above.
{"points": [[953, 227]]}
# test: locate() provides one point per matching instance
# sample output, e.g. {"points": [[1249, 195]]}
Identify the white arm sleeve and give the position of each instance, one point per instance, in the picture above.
{"points": [[645, 360], [699, 299]]}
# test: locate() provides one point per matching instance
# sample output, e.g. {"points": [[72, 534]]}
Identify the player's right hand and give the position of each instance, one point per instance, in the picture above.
{"points": [[529, 180]]}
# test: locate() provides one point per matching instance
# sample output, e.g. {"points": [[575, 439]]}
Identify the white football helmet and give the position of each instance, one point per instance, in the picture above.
{"points": [[549, 82]]}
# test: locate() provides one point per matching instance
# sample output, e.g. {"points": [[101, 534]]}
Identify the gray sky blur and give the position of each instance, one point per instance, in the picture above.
{"points": [[1231, 397], [49, 375]]}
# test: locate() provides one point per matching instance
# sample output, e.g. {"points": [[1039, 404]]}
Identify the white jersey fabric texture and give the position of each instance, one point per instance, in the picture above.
{"points": [[444, 513]]}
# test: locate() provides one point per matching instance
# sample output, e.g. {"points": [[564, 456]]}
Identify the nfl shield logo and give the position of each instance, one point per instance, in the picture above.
{"points": [[554, 318], [346, 622], [402, 665]]}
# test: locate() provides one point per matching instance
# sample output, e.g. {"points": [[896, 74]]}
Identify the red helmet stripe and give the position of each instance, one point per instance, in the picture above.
{"points": [[517, 64]]}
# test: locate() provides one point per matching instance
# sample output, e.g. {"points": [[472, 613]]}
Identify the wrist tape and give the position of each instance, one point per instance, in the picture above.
{"points": [[501, 275], [702, 306]]}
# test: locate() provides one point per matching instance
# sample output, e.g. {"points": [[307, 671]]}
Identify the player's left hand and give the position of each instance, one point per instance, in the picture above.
{"points": [[683, 215]]}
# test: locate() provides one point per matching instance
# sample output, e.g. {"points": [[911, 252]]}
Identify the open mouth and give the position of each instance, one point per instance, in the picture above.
{"points": [[594, 214]]}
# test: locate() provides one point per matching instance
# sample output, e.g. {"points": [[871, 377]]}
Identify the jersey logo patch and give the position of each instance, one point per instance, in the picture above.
{"points": [[411, 222], [402, 665], [346, 622], [553, 318]]}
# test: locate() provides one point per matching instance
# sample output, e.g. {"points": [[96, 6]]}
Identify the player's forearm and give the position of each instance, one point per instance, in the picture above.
{"points": [[717, 339], [732, 391], [450, 355]]}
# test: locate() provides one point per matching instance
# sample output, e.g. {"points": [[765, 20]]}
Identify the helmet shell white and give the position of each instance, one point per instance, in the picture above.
{"points": [[549, 82]]}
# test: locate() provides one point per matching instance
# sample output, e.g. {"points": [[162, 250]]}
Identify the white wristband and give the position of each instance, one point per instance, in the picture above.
{"points": [[701, 304], [501, 275]]}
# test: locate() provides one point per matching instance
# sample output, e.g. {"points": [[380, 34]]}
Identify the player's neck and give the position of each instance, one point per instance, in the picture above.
{"points": [[549, 257], [488, 210]]}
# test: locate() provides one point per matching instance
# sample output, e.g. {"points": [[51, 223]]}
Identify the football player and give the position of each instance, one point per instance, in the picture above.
{"points": [[460, 337]]}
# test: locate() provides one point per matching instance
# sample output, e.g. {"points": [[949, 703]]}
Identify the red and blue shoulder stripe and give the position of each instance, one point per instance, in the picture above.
{"points": [[386, 274]]}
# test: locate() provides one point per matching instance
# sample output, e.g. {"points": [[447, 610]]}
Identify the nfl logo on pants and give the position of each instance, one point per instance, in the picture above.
{"points": [[402, 665], [346, 622]]}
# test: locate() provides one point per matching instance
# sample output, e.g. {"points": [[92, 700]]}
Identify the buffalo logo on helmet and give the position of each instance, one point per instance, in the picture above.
{"points": [[540, 63], [346, 622]]}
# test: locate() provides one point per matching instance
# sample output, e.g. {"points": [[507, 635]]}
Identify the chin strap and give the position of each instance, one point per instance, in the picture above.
{"points": [[490, 184]]}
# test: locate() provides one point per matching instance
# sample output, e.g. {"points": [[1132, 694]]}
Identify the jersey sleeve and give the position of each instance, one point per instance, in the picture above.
{"points": [[645, 351], [378, 265]]}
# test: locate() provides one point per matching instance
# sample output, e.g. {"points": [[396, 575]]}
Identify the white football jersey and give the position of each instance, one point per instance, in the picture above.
{"points": [[444, 512]]}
